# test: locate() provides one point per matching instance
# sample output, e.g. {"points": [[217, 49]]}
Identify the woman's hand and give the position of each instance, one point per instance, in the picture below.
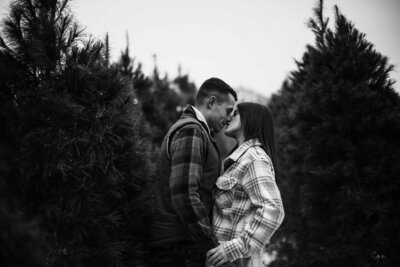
{"points": [[217, 256]]}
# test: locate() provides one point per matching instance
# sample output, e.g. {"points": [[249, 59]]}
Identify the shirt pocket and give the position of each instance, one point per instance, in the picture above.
{"points": [[226, 190]]}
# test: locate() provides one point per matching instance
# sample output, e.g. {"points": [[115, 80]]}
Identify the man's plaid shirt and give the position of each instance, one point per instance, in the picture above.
{"points": [[188, 149], [248, 208]]}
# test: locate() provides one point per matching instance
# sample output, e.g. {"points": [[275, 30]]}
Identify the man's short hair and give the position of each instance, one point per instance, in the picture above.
{"points": [[216, 87]]}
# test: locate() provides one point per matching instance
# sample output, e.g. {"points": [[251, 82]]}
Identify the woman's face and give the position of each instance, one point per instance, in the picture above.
{"points": [[234, 128]]}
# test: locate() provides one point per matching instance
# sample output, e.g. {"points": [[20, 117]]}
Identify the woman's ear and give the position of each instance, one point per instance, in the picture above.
{"points": [[211, 102]]}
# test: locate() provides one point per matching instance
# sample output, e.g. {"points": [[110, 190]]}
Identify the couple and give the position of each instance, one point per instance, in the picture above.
{"points": [[204, 216]]}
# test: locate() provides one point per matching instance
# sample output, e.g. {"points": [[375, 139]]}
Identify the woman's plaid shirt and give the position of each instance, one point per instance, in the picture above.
{"points": [[248, 207]]}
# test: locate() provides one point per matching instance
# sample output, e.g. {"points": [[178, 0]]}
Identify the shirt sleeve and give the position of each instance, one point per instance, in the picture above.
{"points": [[259, 184], [188, 149]]}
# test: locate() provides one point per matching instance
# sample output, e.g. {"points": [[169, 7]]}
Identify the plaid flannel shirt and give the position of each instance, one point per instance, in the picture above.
{"points": [[248, 207], [188, 148]]}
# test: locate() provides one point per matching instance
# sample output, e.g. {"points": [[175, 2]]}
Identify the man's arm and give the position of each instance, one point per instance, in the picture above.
{"points": [[188, 148]]}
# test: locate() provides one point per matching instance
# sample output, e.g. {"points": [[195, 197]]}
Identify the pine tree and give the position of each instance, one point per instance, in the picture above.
{"points": [[337, 126], [20, 243], [161, 100], [153, 121], [107, 50], [82, 165], [19, 235], [187, 89], [166, 102]]}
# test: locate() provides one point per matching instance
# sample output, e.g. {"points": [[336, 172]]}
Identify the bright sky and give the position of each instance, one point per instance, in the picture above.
{"points": [[251, 44]]}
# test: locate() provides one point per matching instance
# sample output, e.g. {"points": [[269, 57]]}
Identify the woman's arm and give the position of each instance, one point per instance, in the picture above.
{"points": [[260, 186]]}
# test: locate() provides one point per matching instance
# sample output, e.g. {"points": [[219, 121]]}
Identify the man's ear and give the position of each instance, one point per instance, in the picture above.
{"points": [[211, 101]]}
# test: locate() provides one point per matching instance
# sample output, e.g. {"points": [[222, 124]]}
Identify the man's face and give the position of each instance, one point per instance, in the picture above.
{"points": [[221, 112]]}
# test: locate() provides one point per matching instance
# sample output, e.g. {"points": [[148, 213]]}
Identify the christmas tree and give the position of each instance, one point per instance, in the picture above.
{"points": [[82, 165], [19, 235], [338, 127], [161, 100]]}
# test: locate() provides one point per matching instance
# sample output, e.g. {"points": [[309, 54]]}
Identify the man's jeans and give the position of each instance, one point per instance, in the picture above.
{"points": [[179, 254]]}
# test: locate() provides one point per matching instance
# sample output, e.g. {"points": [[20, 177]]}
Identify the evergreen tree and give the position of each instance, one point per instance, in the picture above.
{"points": [[20, 243], [153, 121], [107, 50], [338, 128], [19, 235], [161, 100], [187, 89], [82, 165]]}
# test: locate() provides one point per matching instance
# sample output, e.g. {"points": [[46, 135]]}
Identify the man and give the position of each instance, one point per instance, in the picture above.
{"points": [[188, 165]]}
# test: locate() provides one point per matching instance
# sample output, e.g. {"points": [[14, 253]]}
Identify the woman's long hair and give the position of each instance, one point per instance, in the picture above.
{"points": [[258, 123]]}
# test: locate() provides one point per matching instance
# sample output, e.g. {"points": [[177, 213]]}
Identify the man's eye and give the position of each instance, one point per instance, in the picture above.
{"points": [[235, 113]]}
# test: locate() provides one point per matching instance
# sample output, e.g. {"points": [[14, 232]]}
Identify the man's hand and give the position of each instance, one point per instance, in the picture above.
{"points": [[217, 256]]}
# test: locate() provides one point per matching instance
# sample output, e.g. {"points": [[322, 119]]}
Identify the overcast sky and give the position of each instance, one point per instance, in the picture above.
{"points": [[251, 44]]}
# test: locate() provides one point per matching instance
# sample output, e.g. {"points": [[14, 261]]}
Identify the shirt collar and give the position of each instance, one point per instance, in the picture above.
{"points": [[243, 148], [199, 116]]}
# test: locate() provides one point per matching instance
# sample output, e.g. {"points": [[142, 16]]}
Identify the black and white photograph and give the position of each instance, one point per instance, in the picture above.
{"points": [[188, 133]]}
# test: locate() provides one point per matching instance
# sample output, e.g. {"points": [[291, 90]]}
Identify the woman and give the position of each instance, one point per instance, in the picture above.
{"points": [[248, 207]]}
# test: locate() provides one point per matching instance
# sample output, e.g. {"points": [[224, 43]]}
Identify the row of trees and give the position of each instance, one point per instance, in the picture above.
{"points": [[79, 136], [161, 99]]}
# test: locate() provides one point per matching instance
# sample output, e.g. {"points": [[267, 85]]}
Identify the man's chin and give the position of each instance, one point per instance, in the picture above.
{"points": [[217, 131], [229, 134], [222, 127]]}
